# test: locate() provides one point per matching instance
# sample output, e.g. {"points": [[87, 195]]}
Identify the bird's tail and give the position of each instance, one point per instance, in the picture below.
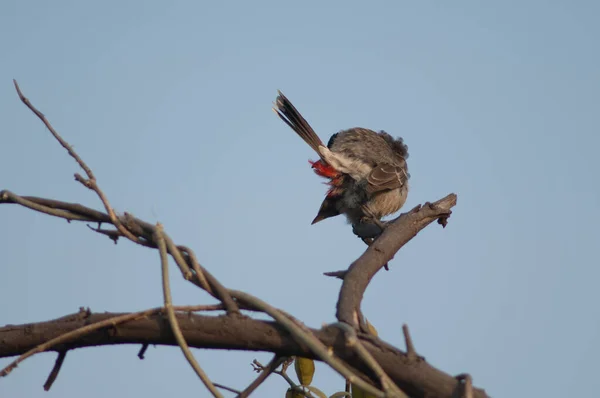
{"points": [[290, 115]]}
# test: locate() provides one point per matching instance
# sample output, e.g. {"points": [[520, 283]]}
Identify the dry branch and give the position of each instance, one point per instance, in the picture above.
{"points": [[265, 372], [164, 261], [396, 235], [416, 378]]}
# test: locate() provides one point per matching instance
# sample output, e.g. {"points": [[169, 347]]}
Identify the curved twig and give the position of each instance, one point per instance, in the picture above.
{"points": [[266, 372], [389, 387], [308, 338], [396, 235], [164, 260], [216, 289], [90, 182]]}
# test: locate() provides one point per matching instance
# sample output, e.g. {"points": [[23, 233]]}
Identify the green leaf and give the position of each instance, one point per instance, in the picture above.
{"points": [[315, 390], [341, 394]]}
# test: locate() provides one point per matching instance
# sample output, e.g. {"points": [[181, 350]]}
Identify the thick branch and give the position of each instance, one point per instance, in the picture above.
{"points": [[416, 378], [396, 235]]}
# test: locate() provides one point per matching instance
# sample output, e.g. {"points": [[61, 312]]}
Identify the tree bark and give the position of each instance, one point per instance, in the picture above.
{"points": [[413, 375]]}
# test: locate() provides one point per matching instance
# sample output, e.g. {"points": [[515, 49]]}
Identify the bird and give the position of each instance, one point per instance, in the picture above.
{"points": [[366, 172]]}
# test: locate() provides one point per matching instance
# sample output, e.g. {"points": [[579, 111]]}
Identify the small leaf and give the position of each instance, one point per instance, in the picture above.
{"points": [[358, 392], [315, 390], [290, 393], [341, 394], [371, 328], [305, 370]]}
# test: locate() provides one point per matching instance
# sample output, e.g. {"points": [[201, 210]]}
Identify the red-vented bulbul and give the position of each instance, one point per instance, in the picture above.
{"points": [[367, 171]]}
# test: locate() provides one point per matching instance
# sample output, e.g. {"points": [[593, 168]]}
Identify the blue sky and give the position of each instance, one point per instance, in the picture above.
{"points": [[169, 103]]}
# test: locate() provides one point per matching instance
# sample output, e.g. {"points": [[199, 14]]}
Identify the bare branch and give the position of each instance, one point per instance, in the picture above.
{"points": [[224, 387], [216, 289], [389, 388], [142, 353], [283, 373], [90, 182], [164, 260], [60, 358], [336, 274], [62, 142], [9, 197], [47, 345], [396, 235], [266, 372], [305, 336], [201, 331]]}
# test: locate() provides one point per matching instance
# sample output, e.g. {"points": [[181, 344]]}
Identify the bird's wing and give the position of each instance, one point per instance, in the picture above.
{"points": [[386, 176]]}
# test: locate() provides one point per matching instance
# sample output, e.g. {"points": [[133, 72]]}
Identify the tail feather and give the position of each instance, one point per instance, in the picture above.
{"points": [[290, 115]]}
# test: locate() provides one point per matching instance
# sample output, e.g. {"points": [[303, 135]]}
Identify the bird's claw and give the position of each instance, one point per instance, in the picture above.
{"points": [[370, 228], [367, 230]]}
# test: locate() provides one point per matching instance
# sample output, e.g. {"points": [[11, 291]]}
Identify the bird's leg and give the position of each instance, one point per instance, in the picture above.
{"points": [[365, 230], [368, 226], [367, 211]]}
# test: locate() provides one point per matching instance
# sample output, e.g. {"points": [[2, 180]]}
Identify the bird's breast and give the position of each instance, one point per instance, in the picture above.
{"points": [[388, 202]]}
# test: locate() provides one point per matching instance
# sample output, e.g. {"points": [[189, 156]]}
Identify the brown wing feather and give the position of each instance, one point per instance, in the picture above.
{"points": [[386, 176]]}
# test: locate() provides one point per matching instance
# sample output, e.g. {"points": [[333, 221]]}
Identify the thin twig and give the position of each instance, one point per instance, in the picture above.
{"points": [[179, 260], [224, 387], [266, 372], [336, 274], [62, 142], [74, 211], [90, 182], [205, 278], [92, 214], [287, 361], [411, 353], [164, 260], [389, 387], [143, 350], [196, 267], [307, 338], [55, 370], [7, 196]]}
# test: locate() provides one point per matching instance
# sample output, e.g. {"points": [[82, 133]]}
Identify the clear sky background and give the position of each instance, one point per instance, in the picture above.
{"points": [[169, 103]]}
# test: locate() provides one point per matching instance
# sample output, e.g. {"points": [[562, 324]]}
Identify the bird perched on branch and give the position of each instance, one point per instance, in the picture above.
{"points": [[367, 171]]}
